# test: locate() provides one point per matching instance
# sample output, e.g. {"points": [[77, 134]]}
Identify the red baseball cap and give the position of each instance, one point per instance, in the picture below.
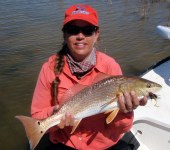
{"points": [[81, 12]]}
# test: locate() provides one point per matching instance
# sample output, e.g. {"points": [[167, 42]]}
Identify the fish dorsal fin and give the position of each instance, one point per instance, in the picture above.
{"points": [[100, 76], [76, 123], [72, 91], [112, 115]]}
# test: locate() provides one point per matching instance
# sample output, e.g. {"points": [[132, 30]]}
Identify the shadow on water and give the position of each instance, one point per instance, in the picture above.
{"points": [[45, 144]]}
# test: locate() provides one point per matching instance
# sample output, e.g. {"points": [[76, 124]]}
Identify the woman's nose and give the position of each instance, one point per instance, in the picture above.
{"points": [[80, 36]]}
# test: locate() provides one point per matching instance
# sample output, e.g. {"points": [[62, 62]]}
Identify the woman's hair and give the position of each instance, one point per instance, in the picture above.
{"points": [[57, 70]]}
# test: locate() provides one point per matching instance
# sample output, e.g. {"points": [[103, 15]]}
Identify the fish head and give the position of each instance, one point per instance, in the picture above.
{"points": [[149, 86], [141, 86]]}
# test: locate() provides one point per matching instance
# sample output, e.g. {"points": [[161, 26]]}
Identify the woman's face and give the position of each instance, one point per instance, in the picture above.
{"points": [[80, 45]]}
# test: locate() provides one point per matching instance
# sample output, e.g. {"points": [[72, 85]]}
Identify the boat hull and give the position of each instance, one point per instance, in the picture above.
{"points": [[164, 31], [152, 123]]}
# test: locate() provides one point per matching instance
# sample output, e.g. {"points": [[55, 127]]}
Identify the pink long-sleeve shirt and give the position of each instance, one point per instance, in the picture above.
{"points": [[92, 133]]}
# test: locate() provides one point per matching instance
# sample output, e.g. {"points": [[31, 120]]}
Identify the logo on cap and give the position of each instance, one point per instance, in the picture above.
{"points": [[80, 10]]}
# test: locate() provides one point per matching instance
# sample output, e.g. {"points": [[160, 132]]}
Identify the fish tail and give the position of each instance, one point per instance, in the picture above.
{"points": [[33, 128]]}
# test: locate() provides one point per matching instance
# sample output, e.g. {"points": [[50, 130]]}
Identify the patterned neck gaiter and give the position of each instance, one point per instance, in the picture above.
{"points": [[84, 66]]}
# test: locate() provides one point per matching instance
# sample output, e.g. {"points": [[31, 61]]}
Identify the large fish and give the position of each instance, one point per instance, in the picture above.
{"points": [[97, 98]]}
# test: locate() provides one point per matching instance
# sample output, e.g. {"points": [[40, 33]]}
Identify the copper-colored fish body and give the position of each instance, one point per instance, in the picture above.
{"points": [[94, 99]]}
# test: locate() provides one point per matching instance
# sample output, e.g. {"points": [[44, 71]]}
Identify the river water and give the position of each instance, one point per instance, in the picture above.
{"points": [[30, 31]]}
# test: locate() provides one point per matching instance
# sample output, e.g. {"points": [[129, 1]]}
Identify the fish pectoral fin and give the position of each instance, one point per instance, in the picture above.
{"points": [[108, 111], [108, 103], [76, 123], [112, 115]]}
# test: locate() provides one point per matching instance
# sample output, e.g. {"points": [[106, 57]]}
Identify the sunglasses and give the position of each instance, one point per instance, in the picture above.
{"points": [[74, 30]]}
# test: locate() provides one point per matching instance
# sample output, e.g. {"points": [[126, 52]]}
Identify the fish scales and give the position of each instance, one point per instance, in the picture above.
{"points": [[91, 97]]}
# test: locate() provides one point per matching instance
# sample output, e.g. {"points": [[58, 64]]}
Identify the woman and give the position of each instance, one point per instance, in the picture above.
{"points": [[78, 62]]}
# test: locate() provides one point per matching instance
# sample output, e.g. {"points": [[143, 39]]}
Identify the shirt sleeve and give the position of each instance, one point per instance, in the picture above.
{"points": [[41, 102], [113, 68]]}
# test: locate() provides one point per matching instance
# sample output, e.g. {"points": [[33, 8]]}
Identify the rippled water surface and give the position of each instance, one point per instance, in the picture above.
{"points": [[30, 31]]}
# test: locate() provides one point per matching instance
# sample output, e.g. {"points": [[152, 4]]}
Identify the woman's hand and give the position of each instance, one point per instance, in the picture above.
{"points": [[129, 101], [67, 120]]}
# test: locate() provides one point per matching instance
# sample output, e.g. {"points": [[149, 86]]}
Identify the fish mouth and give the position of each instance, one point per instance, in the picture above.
{"points": [[152, 95]]}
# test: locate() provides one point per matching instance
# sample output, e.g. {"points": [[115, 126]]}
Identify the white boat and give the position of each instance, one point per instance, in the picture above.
{"points": [[151, 126], [163, 31]]}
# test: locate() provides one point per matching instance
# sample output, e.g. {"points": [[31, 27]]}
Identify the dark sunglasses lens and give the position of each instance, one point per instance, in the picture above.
{"points": [[73, 30], [88, 31]]}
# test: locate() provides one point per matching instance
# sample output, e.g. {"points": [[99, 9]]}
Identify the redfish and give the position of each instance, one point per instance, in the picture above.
{"points": [[100, 97]]}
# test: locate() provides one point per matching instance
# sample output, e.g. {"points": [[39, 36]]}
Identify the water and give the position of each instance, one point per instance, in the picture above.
{"points": [[30, 31]]}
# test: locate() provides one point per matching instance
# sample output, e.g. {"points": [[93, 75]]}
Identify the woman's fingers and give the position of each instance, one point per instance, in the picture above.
{"points": [[129, 101], [135, 100], [121, 103], [66, 120], [71, 120], [143, 101], [61, 125]]}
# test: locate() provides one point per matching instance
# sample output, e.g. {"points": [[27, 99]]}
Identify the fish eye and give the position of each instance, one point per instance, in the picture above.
{"points": [[148, 85]]}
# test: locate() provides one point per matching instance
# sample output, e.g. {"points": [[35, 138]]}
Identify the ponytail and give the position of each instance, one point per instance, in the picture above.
{"points": [[57, 70]]}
